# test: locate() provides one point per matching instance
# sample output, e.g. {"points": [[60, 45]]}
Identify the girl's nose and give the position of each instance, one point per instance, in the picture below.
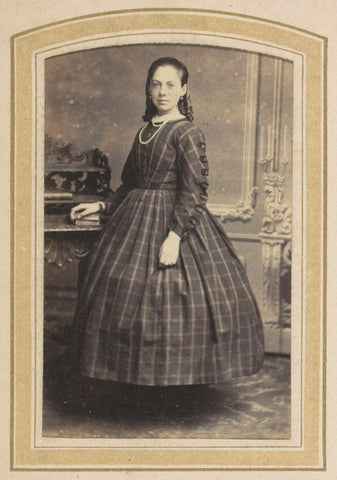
{"points": [[162, 90]]}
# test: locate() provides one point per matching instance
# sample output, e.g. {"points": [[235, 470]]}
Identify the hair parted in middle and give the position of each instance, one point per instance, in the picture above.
{"points": [[184, 104]]}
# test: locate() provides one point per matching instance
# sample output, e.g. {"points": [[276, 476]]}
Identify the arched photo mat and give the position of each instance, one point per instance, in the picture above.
{"points": [[305, 450]]}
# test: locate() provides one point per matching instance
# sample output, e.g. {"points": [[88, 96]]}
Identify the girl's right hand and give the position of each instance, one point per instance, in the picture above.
{"points": [[169, 251], [84, 209]]}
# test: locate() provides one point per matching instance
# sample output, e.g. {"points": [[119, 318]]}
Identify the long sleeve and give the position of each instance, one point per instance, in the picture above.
{"points": [[192, 184], [128, 177]]}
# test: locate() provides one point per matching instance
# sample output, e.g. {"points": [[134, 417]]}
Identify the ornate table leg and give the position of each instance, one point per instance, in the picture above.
{"points": [[62, 247]]}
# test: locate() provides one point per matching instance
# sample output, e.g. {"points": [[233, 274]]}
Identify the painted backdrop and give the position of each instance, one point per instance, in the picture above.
{"points": [[243, 103]]}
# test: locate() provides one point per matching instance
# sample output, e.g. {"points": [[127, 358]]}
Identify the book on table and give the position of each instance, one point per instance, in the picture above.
{"points": [[90, 219]]}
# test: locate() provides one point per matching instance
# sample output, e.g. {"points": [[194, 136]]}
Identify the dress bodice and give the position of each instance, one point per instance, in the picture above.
{"points": [[155, 160], [173, 157]]}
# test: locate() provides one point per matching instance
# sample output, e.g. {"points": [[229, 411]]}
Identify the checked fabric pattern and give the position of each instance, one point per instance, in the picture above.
{"points": [[194, 323]]}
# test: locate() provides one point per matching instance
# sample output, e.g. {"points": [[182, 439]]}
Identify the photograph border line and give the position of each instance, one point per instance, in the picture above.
{"points": [[160, 40]]}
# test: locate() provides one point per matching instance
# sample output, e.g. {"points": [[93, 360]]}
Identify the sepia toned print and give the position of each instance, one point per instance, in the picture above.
{"points": [[208, 331], [247, 127]]}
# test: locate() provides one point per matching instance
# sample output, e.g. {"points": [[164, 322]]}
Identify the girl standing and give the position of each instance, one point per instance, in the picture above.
{"points": [[165, 299]]}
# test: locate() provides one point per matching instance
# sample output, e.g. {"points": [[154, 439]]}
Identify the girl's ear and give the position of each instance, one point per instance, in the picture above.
{"points": [[184, 87]]}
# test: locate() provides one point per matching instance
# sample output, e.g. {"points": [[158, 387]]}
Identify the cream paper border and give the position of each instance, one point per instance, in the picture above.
{"points": [[25, 453]]}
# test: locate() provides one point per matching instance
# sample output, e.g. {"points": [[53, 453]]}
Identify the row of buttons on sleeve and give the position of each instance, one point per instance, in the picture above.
{"points": [[204, 185], [203, 196]]}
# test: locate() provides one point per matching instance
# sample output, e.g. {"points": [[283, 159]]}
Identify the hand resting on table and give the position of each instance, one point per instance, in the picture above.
{"points": [[84, 209]]}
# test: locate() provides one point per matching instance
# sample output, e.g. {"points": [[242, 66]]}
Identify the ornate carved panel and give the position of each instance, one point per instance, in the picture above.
{"points": [[63, 247], [276, 224], [85, 173]]}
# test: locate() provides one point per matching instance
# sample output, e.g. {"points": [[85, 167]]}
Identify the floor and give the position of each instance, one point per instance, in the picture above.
{"points": [[256, 407]]}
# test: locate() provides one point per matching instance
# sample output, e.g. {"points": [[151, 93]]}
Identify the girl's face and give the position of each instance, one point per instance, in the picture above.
{"points": [[165, 89]]}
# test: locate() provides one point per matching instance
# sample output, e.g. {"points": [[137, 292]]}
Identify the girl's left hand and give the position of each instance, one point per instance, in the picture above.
{"points": [[169, 251]]}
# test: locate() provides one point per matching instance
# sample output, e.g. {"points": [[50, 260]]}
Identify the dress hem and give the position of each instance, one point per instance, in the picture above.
{"points": [[223, 379]]}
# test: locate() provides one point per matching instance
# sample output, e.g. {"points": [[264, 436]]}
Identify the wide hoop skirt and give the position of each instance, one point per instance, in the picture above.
{"points": [[194, 323]]}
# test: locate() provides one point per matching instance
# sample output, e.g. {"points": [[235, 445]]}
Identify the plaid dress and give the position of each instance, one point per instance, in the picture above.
{"points": [[194, 323]]}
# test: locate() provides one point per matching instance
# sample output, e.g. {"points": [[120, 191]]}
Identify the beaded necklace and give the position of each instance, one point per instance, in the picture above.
{"points": [[159, 124], [152, 137]]}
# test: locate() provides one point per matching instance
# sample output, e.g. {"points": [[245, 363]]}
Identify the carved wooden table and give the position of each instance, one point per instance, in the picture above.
{"points": [[70, 179], [65, 241]]}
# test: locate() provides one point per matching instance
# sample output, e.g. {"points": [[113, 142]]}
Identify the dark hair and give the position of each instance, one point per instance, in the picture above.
{"points": [[184, 104]]}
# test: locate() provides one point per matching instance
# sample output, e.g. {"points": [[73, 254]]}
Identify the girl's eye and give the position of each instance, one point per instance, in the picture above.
{"points": [[154, 84], [170, 85]]}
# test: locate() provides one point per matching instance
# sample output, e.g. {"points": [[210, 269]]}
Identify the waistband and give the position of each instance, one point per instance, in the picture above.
{"points": [[163, 186]]}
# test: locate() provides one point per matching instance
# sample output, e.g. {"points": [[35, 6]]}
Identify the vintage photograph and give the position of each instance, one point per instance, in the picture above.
{"points": [[168, 179], [168, 282]]}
